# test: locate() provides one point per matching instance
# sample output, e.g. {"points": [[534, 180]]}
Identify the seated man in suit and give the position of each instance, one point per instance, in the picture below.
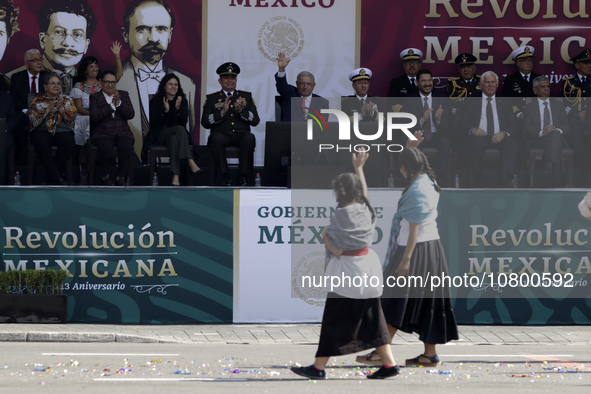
{"points": [[488, 122], [432, 115], [360, 103], [229, 114], [110, 109], [546, 123], [305, 87], [22, 84]]}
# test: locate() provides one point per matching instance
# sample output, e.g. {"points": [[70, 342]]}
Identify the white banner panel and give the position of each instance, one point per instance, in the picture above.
{"points": [[318, 35], [270, 225]]}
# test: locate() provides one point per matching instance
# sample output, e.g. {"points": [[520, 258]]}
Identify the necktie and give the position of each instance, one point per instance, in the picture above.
{"points": [[304, 107], [526, 78], [584, 79], [546, 120], [490, 121], [33, 84], [427, 129], [412, 82]]}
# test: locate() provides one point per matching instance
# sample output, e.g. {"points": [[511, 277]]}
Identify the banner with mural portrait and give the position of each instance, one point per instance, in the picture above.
{"points": [[157, 37]]}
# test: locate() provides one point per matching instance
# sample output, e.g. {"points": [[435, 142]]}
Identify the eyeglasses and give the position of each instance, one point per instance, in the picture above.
{"points": [[59, 35], [36, 60], [54, 83], [109, 82]]}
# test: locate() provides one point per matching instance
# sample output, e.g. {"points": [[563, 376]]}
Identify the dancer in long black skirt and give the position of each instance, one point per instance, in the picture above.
{"points": [[415, 250], [353, 320]]}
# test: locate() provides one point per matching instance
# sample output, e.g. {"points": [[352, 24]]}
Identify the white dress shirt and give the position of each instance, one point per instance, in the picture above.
{"points": [[493, 103]]}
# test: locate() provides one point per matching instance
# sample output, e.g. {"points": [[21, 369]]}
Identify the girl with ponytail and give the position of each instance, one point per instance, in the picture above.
{"points": [[353, 320], [415, 250]]}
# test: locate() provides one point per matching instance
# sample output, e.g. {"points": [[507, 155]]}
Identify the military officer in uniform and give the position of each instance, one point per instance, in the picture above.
{"points": [[468, 83], [577, 89], [465, 86], [229, 114], [365, 106], [407, 83], [520, 84]]}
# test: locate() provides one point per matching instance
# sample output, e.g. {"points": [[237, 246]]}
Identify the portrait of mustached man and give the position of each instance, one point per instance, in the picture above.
{"points": [[147, 29], [65, 28]]}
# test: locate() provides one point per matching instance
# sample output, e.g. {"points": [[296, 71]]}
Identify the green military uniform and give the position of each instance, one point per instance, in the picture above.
{"points": [[232, 128]]}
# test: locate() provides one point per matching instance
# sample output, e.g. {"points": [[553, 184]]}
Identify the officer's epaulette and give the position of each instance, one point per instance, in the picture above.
{"points": [[453, 79], [214, 93], [479, 76], [244, 91], [565, 78]]}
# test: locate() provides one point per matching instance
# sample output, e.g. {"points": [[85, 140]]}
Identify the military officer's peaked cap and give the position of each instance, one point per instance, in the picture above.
{"points": [[228, 69], [584, 56], [465, 58], [411, 54], [523, 52], [359, 74]]}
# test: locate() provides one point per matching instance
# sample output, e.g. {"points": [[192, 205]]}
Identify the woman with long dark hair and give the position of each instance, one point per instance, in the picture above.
{"points": [[86, 83], [353, 320], [415, 250], [169, 113]]}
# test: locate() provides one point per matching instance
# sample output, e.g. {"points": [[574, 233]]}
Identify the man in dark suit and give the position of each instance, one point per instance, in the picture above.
{"points": [[303, 90], [489, 123], [110, 111], [576, 90], [546, 123], [365, 106], [24, 82], [429, 107], [229, 114], [406, 84], [7, 112]]}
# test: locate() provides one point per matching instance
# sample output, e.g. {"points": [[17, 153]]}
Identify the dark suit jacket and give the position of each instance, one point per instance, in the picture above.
{"points": [[7, 111], [413, 103], [473, 110], [533, 120], [103, 124], [232, 121], [19, 89], [515, 85], [287, 91], [160, 120], [401, 86], [352, 104]]}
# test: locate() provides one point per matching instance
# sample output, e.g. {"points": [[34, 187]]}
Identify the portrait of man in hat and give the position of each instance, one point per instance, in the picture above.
{"points": [[147, 29], [229, 114]]}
